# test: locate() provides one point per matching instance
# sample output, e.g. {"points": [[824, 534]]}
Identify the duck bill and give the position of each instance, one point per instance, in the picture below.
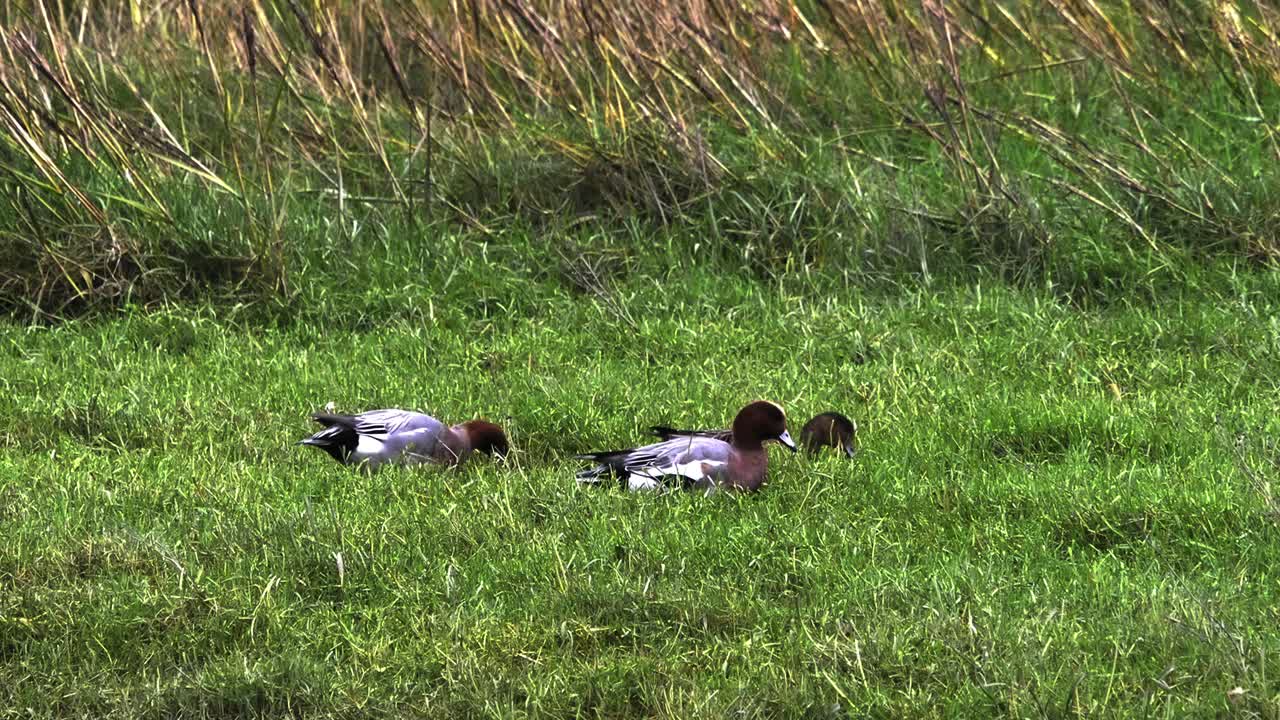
{"points": [[785, 439]]}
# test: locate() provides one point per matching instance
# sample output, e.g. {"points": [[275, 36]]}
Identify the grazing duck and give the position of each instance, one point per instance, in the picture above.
{"points": [[399, 436], [739, 462], [829, 429]]}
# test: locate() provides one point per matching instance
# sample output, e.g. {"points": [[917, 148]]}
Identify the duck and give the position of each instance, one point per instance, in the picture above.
{"points": [[377, 437], [738, 462], [824, 430]]}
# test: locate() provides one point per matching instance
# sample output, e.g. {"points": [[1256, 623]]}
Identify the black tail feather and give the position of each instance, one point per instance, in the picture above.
{"points": [[592, 474], [337, 439], [602, 475], [607, 463]]}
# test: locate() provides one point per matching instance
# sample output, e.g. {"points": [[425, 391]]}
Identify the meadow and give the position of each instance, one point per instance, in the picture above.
{"points": [[1029, 248]]}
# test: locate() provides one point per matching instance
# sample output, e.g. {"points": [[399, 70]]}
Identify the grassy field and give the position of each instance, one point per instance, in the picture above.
{"points": [[1053, 512], [1031, 250]]}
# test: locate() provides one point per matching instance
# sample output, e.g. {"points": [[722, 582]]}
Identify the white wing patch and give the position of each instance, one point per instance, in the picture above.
{"points": [[368, 450], [368, 445], [700, 472]]}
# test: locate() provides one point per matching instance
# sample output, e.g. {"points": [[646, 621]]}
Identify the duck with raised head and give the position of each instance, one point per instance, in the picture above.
{"points": [[738, 463], [825, 430], [376, 437]]}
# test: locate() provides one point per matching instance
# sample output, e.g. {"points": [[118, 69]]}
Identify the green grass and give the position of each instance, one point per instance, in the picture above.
{"points": [[1014, 539]]}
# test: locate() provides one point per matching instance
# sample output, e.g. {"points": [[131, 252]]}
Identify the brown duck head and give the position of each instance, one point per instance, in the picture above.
{"points": [[486, 437], [758, 422]]}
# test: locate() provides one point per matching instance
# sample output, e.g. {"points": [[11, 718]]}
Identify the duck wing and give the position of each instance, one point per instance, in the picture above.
{"points": [[377, 436], [382, 424], [667, 432], [703, 474], [687, 460]]}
